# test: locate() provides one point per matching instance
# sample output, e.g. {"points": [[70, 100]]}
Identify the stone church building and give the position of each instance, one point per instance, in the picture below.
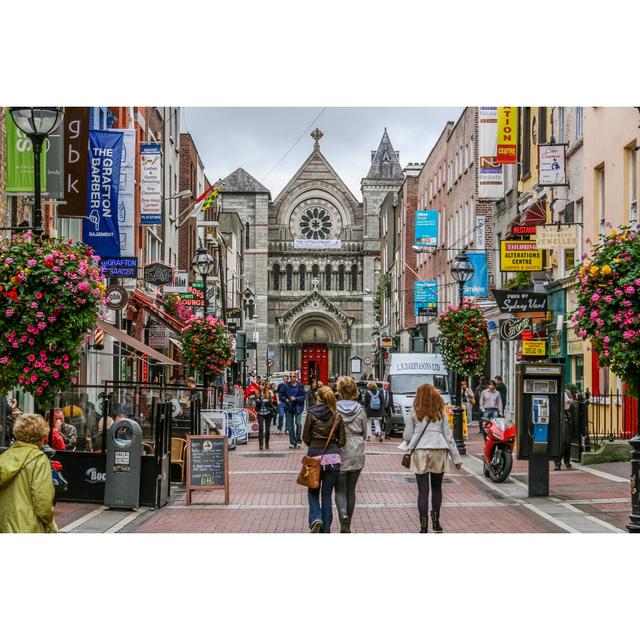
{"points": [[311, 262]]}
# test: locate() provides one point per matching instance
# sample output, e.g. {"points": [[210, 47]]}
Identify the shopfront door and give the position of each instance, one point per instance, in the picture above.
{"points": [[315, 363]]}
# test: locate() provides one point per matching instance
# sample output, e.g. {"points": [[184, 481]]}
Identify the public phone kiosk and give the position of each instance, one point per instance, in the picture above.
{"points": [[539, 415]]}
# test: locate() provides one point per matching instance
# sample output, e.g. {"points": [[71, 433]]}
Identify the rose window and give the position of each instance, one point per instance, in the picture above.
{"points": [[315, 224]]}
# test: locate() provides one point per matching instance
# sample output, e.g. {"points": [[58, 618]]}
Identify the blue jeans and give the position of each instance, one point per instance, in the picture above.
{"points": [[488, 414], [280, 416], [294, 434], [324, 513]]}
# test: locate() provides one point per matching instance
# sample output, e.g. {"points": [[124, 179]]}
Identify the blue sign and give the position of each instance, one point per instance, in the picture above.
{"points": [[426, 228], [100, 227], [425, 298], [478, 286], [119, 267]]}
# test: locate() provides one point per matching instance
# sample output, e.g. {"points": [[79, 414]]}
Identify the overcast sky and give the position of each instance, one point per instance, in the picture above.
{"points": [[257, 138]]}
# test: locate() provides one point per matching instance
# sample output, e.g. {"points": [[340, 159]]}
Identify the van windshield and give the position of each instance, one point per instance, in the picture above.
{"points": [[408, 384]]}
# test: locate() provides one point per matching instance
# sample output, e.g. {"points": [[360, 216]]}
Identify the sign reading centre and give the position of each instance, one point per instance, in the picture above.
{"points": [[507, 135], [426, 228], [520, 255]]}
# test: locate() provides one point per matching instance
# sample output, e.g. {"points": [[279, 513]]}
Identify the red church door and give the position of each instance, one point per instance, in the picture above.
{"points": [[315, 363]]}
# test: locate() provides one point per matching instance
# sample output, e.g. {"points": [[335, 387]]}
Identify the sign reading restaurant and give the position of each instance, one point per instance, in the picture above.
{"points": [[520, 255]]}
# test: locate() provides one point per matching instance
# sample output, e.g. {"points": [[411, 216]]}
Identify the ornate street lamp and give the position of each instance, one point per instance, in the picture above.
{"points": [[462, 271], [37, 123]]}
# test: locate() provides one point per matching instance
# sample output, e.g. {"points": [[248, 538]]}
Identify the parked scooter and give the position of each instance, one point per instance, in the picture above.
{"points": [[499, 435]]}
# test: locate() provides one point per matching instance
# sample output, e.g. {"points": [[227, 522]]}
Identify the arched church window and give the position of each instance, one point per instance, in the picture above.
{"points": [[276, 277], [341, 278], [328, 273], [315, 224], [289, 271], [354, 277], [303, 273]]}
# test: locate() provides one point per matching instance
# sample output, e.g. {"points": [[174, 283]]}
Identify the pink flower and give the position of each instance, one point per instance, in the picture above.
{"points": [[595, 297], [629, 334], [55, 374], [34, 305], [31, 357], [34, 378], [629, 289], [8, 313], [65, 365], [608, 298]]}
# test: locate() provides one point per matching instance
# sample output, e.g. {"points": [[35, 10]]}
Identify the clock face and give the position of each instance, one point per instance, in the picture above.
{"points": [[315, 224]]}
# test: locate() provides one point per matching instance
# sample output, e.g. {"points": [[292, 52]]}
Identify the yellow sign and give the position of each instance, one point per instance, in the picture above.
{"points": [[520, 255], [534, 348], [450, 409], [507, 135]]}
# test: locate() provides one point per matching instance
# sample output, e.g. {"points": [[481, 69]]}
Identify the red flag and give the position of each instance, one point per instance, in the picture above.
{"points": [[201, 197]]}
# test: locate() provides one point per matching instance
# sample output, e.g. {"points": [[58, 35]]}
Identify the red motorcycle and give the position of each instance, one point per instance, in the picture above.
{"points": [[499, 435]]}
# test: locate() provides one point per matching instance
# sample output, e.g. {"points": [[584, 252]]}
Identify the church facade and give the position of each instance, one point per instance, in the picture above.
{"points": [[311, 263]]}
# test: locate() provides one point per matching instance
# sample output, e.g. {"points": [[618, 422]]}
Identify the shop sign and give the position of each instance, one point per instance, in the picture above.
{"points": [[552, 165], [386, 342], [534, 347], [522, 230], [555, 236], [520, 301], [117, 297], [158, 337], [520, 255], [490, 170], [119, 267], [76, 145], [150, 183], [507, 135], [425, 298], [512, 328], [158, 273], [426, 228]]}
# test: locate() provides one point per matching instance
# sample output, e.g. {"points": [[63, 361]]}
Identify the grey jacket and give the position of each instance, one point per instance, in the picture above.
{"points": [[355, 425], [437, 435]]}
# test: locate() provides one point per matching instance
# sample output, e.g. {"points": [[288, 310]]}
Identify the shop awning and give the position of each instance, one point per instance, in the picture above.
{"points": [[177, 343], [536, 214], [135, 344], [140, 298]]}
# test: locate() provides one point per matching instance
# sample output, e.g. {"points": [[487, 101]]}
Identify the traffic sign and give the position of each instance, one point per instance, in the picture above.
{"points": [[368, 360]]}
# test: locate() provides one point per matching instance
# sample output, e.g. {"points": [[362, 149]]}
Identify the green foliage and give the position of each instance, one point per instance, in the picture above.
{"points": [[463, 339], [207, 345]]}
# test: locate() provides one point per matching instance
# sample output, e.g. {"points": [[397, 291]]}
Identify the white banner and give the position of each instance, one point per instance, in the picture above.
{"points": [[303, 243], [126, 201], [150, 183], [480, 231], [553, 236], [490, 172], [552, 164]]}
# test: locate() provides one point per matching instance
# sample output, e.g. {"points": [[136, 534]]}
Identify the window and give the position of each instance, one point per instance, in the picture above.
{"points": [[600, 198], [632, 171], [302, 271], [289, 271], [315, 275], [354, 277], [561, 123], [328, 273], [316, 224], [247, 234], [569, 254], [542, 124], [276, 277], [526, 142], [579, 119]]}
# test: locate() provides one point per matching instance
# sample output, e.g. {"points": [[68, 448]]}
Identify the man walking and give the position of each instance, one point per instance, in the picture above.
{"points": [[501, 388], [490, 404], [281, 405], [293, 396], [387, 396]]}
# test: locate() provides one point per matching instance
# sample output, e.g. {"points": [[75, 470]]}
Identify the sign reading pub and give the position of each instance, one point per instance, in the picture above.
{"points": [[520, 301]]}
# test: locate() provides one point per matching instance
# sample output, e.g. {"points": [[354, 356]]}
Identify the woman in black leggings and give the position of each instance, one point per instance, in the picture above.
{"points": [[265, 408], [429, 438]]}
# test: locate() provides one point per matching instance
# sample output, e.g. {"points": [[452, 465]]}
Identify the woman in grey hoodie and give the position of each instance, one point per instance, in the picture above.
{"points": [[354, 417]]}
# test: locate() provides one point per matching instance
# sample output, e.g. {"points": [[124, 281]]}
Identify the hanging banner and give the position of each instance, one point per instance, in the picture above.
{"points": [[305, 243], [54, 148], [481, 228], [100, 228], [478, 285], [19, 176], [76, 163], [126, 200], [507, 135], [151, 183], [520, 255], [425, 298], [490, 172], [426, 228], [552, 165], [553, 236]]}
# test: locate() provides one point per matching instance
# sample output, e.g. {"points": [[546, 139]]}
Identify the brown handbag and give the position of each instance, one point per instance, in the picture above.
{"points": [[406, 458], [309, 475]]}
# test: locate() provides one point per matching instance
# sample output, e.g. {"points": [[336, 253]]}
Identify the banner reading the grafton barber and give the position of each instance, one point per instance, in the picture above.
{"points": [[100, 228], [19, 178], [126, 196], [150, 183], [507, 135], [478, 285]]}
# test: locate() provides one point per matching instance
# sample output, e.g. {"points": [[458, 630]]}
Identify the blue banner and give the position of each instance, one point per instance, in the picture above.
{"points": [[426, 228], [478, 286], [100, 228], [425, 298]]}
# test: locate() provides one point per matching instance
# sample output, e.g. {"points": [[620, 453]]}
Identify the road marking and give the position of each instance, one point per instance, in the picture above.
{"points": [[395, 505], [125, 521], [80, 521]]}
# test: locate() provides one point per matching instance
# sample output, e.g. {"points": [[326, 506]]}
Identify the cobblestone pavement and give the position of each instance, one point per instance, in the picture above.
{"points": [[264, 498]]}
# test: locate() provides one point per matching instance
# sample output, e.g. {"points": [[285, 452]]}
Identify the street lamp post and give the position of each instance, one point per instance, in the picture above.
{"points": [[37, 123], [462, 271], [203, 263], [633, 525]]}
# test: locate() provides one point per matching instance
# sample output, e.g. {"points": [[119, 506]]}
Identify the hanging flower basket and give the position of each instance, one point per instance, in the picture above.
{"points": [[207, 345], [608, 310], [50, 295], [463, 340]]}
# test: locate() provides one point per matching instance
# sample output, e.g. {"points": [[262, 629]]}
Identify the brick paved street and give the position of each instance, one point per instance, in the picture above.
{"points": [[264, 498]]}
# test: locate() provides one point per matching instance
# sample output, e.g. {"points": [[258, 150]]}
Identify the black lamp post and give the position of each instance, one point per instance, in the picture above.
{"points": [[462, 271], [634, 519], [203, 264], [37, 123]]}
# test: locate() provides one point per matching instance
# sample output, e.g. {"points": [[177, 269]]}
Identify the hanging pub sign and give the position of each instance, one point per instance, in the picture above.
{"points": [[513, 328], [158, 273], [520, 301], [520, 255], [555, 236], [552, 165], [116, 296]]}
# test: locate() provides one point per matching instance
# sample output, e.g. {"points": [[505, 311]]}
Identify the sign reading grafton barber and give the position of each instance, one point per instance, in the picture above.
{"points": [[100, 228], [150, 183]]}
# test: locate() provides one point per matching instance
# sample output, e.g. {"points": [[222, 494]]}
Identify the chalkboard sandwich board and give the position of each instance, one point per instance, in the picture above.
{"points": [[207, 465]]}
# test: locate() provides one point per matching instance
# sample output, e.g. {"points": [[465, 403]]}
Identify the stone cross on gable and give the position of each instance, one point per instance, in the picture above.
{"points": [[316, 134]]}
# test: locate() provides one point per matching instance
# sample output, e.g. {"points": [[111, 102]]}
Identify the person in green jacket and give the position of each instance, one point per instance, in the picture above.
{"points": [[26, 488]]}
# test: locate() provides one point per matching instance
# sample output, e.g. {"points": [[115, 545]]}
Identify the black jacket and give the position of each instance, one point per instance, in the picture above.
{"points": [[317, 427], [388, 403]]}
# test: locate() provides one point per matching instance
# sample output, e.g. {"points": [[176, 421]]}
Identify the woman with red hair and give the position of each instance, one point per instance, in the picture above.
{"points": [[428, 437]]}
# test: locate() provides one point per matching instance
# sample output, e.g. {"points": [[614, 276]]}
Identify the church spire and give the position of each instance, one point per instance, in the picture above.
{"points": [[384, 161]]}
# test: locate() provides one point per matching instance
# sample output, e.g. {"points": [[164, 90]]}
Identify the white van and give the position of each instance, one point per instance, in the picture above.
{"points": [[406, 372]]}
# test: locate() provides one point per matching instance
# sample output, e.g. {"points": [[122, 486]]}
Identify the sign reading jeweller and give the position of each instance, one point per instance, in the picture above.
{"points": [[158, 273]]}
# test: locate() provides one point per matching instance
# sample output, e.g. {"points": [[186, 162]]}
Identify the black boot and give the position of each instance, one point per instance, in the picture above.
{"points": [[424, 524], [435, 519], [345, 523]]}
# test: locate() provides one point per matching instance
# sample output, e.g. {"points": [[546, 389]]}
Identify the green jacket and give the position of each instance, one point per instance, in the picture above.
{"points": [[26, 491]]}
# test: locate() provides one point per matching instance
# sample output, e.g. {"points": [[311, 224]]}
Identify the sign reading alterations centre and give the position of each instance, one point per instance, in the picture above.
{"points": [[520, 255]]}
